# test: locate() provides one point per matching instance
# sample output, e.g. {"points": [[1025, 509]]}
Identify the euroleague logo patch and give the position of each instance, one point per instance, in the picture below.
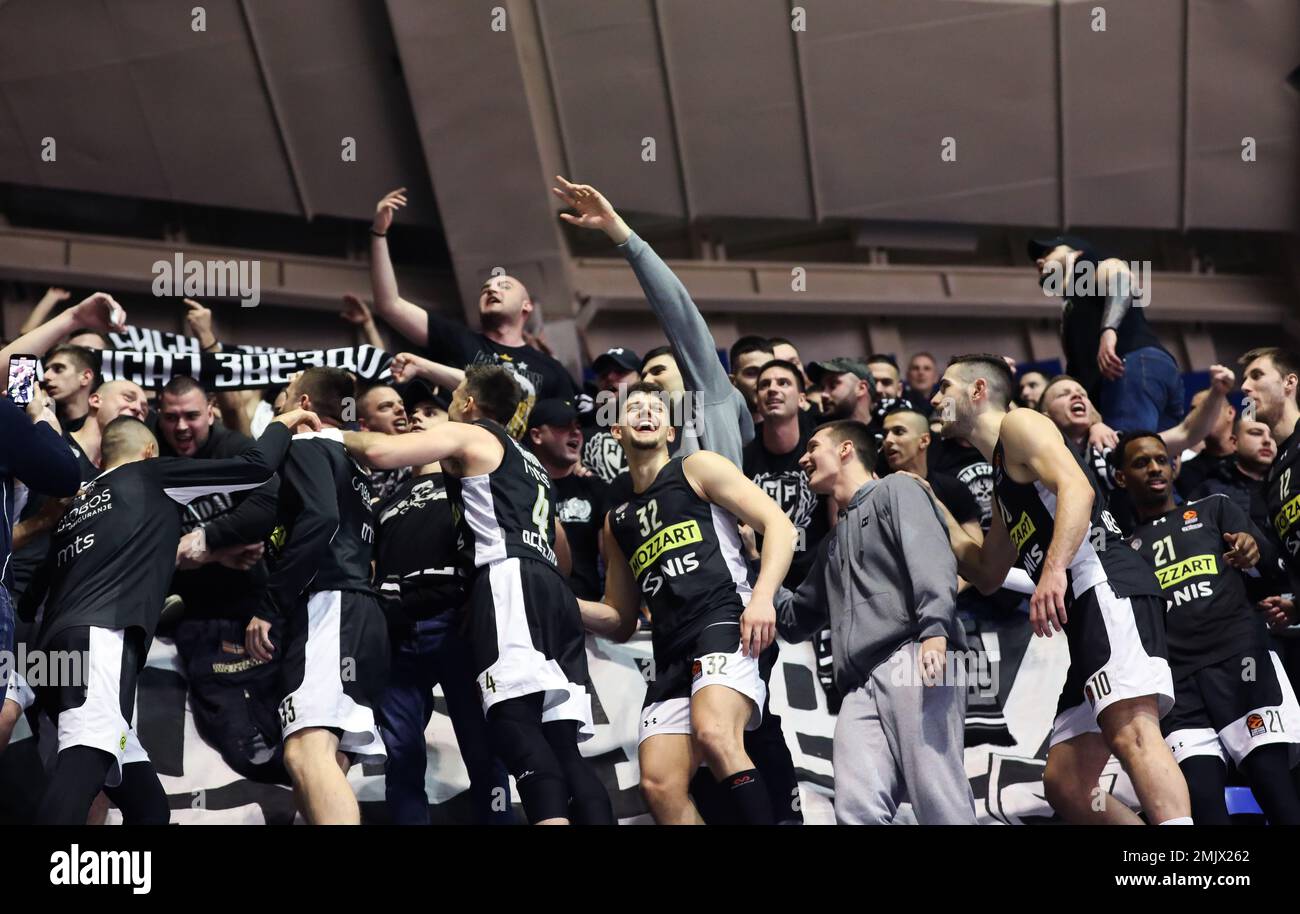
{"points": [[1255, 724], [1189, 516]]}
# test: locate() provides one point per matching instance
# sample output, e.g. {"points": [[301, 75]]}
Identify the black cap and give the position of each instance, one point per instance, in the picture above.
{"points": [[419, 391], [1037, 247], [552, 411], [817, 370], [619, 356]]}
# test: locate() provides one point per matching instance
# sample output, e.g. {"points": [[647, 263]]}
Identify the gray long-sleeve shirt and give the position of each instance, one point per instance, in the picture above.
{"points": [[722, 422], [885, 576]]}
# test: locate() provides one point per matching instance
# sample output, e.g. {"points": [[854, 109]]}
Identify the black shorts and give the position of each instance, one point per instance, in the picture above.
{"points": [[713, 657], [335, 668], [526, 633], [1117, 652], [1232, 707]]}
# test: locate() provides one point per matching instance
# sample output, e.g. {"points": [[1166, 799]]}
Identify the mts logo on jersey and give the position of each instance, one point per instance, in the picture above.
{"points": [[665, 540]]}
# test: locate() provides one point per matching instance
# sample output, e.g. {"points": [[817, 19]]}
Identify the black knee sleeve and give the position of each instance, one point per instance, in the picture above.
{"points": [[590, 804], [1268, 771], [515, 730], [1206, 779], [140, 796], [79, 773]]}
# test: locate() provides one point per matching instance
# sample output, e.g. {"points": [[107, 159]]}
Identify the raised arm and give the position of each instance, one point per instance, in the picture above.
{"points": [[43, 308], [98, 311], [475, 449], [407, 366], [357, 313], [407, 318], [678, 315], [615, 617], [1033, 445], [1197, 425]]}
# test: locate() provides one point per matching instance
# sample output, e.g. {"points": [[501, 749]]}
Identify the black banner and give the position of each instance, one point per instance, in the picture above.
{"points": [[218, 371]]}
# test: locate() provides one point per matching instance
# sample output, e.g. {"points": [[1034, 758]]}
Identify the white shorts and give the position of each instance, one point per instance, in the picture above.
{"points": [[98, 721], [672, 715], [322, 693]]}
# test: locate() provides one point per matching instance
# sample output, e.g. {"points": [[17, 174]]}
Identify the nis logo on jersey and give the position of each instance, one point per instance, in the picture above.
{"points": [[1020, 533]]}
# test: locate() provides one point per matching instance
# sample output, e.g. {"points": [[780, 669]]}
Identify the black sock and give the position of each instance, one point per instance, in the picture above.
{"points": [[750, 797], [1206, 778], [79, 773]]}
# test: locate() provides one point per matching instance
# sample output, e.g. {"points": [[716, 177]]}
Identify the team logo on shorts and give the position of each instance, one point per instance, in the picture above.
{"points": [[121, 744], [697, 670], [1255, 724], [1088, 694], [1189, 516]]}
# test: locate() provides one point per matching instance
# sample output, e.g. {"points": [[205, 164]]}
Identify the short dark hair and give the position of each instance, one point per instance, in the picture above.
{"points": [[782, 341], [91, 331], [925, 420], [121, 434], [364, 390], [745, 345], [85, 360], [495, 390], [917, 355], [878, 357], [1116, 456], [181, 385], [998, 375], [864, 443], [1286, 360], [1042, 396], [327, 388], [654, 354], [785, 365]]}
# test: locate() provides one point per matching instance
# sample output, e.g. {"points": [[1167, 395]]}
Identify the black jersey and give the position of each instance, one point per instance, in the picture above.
{"points": [[418, 550], [325, 536], [113, 550], [1282, 496], [686, 554], [785, 482], [28, 558], [580, 504], [509, 512], [1210, 615], [968, 466], [1029, 510]]}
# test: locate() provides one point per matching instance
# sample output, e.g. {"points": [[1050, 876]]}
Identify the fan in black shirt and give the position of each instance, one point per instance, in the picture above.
{"points": [[109, 565], [1231, 697], [555, 438]]}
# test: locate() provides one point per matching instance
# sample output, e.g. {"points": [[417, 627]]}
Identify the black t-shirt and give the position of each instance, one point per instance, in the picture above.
{"points": [[228, 519], [114, 549], [967, 465], [580, 506], [1081, 326], [325, 536], [26, 559], [780, 476], [1210, 616], [956, 497], [600, 452], [686, 555], [1192, 473], [418, 548], [541, 376]]}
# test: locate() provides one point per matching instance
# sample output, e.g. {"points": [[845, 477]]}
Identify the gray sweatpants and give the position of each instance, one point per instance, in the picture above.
{"points": [[897, 739]]}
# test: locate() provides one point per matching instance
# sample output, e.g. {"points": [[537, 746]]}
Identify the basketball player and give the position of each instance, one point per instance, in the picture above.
{"points": [[678, 538], [524, 625], [319, 600], [1231, 695], [111, 559], [1105, 599]]}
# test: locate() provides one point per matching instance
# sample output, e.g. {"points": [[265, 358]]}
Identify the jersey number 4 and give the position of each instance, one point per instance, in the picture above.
{"points": [[542, 512]]}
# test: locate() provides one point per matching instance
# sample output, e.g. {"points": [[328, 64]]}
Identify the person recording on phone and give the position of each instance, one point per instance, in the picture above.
{"points": [[31, 450]]}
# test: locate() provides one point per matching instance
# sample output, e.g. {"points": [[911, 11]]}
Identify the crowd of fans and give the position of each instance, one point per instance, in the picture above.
{"points": [[228, 602]]}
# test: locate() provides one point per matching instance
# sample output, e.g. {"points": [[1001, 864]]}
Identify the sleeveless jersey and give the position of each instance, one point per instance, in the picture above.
{"points": [[509, 512], [686, 554], [1029, 510]]}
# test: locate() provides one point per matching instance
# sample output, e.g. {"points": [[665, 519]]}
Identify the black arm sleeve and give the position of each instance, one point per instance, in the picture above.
{"points": [[251, 521], [185, 478], [307, 472]]}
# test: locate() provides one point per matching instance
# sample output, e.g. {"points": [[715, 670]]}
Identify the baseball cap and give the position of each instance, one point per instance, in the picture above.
{"points": [[817, 370], [552, 411], [1037, 247], [619, 356], [420, 391]]}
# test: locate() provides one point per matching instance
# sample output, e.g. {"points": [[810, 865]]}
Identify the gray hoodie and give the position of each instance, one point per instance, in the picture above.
{"points": [[722, 422], [885, 575]]}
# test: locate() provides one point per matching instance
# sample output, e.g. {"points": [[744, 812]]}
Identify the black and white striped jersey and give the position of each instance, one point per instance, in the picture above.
{"points": [[1029, 510], [509, 512], [685, 553]]}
